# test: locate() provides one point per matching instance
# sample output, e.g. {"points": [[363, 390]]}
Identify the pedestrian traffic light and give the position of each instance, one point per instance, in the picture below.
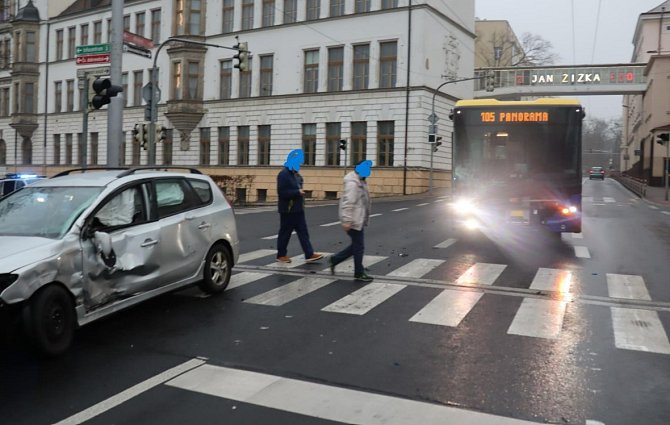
{"points": [[437, 144], [140, 134], [490, 81], [242, 56], [161, 133], [435, 141], [104, 91], [343, 144], [663, 138]]}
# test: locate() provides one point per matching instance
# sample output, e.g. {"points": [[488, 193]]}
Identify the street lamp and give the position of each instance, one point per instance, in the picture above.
{"points": [[153, 103]]}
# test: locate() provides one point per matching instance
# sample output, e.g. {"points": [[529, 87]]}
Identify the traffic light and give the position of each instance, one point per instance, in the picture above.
{"points": [[242, 56], [490, 81], [343, 144], [436, 142], [104, 91], [160, 133], [140, 134], [663, 138]]}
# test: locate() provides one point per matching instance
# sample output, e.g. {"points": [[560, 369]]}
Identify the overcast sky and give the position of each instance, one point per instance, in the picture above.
{"points": [[552, 20]]}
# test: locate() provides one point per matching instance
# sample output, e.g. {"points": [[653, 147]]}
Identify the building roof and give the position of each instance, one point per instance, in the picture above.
{"points": [[28, 13], [658, 9], [79, 6]]}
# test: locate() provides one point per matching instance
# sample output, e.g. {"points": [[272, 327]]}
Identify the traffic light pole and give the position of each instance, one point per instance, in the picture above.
{"points": [[153, 103], [83, 148], [115, 111], [666, 167]]}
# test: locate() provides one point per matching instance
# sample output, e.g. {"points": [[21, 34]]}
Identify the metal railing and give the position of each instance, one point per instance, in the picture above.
{"points": [[635, 185]]}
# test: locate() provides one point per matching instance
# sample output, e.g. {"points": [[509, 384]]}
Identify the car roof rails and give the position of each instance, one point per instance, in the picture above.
{"points": [[83, 170], [133, 170]]}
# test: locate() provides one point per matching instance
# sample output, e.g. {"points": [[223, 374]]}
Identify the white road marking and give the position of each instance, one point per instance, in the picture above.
{"points": [[253, 255], [587, 199], [297, 261], [243, 278], [665, 212], [639, 330], [439, 200], [375, 215], [447, 309], [627, 286], [538, 318], [274, 236], [445, 244], [422, 205], [416, 268], [400, 209], [348, 265], [609, 200], [365, 299], [131, 392], [290, 292], [327, 402], [582, 252], [577, 235], [334, 223], [653, 207], [481, 274], [555, 280]]}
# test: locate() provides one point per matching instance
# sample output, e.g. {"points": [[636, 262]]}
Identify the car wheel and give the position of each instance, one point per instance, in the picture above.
{"points": [[50, 320], [218, 265]]}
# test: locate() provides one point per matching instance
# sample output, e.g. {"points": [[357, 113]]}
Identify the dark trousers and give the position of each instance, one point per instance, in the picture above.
{"points": [[356, 249], [288, 222]]}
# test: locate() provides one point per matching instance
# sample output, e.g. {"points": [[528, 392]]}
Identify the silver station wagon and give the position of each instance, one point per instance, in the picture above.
{"points": [[82, 245]]}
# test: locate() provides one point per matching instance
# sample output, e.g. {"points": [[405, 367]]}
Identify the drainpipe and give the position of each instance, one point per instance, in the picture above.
{"points": [[46, 99], [660, 31], [407, 91]]}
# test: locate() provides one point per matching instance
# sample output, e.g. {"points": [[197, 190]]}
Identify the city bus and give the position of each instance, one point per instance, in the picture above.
{"points": [[518, 163]]}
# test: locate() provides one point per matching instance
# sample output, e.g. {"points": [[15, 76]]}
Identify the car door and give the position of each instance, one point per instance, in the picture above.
{"points": [[180, 240], [133, 267]]}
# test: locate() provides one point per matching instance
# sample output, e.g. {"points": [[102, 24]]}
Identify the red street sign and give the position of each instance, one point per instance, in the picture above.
{"points": [[92, 59], [138, 40]]}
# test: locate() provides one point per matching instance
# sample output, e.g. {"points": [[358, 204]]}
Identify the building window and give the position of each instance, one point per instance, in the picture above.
{"points": [[167, 146], [193, 78], [245, 82], [313, 9], [263, 145], [156, 25], [3, 152], [359, 137], [59, 45], [83, 34], [195, 17], [97, 32], [27, 151], [224, 145], [388, 4], [17, 46], [290, 11], [126, 23], [4, 102], [362, 6], [177, 81], [138, 82], [68, 149], [205, 145], [309, 143], [140, 23], [243, 145], [71, 37], [188, 17], [226, 79], [94, 148], [228, 15], [336, 8], [28, 98], [335, 68], [109, 30], [268, 13], [16, 94], [311, 71], [361, 66], [136, 149], [70, 95], [58, 96], [333, 143], [247, 14], [6, 53], [388, 64], [56, 149], [385, 143], [266, 75], [31, 53], [124, 84]]}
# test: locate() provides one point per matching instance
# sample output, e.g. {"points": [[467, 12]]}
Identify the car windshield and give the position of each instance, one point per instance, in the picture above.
{"points": [[44, 211]]}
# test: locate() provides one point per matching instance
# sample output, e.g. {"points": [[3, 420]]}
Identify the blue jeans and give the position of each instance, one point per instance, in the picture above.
{"points": [[356, 249], [288, 222]]}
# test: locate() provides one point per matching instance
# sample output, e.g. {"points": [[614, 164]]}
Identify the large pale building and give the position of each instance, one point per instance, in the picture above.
{"points": [[321, 71], [646, 116], [497, 45]]}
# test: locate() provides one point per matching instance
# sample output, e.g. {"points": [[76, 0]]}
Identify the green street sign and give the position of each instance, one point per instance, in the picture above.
{"points": [[93, 49]]}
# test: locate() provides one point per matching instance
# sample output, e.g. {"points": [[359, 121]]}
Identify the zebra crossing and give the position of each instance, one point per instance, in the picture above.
{"points": [[636, 329]]}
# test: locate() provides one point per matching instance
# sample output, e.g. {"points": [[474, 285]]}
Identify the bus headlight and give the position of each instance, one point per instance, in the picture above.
{"points": [[471, 224], [464, 206]]}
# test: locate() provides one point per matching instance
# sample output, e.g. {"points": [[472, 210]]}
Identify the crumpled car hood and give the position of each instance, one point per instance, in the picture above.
{"points": [[19, 251]]}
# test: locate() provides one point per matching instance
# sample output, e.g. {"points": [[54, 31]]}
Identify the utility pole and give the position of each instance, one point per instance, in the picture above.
{"points": [[115, 111]]}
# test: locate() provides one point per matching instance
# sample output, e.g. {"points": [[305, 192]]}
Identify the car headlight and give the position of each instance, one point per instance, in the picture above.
{"points": [[6, 280], [464, 206]]}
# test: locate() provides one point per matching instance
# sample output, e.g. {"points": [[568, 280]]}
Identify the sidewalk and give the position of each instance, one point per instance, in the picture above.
{"points": [[656, 195]]}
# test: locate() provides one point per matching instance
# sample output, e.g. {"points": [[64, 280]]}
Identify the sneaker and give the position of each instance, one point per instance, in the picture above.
{"points": [[315, 257], [332, 265], [284, 259], [363, 278]]}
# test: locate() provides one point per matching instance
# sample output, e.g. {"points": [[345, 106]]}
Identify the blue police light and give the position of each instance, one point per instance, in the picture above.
{"points": [[27, 176]]}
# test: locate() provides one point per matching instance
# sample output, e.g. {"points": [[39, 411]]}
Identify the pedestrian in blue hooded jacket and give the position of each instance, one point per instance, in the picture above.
{"points": [[291, 208]]}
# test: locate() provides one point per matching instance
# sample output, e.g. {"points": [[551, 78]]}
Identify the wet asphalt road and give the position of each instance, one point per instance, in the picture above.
{"points": [[477, 365]]}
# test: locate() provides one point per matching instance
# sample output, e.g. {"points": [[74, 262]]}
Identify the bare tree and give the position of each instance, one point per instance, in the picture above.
{"points": [[504, 49], [536, 51]]}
